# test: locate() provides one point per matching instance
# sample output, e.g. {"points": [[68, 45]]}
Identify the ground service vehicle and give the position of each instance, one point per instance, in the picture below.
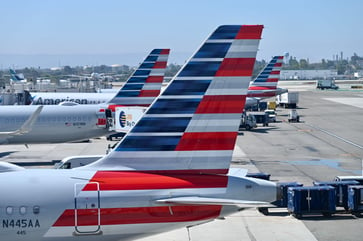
{"points": [[288, 100], [326, 84], [248, 121]]}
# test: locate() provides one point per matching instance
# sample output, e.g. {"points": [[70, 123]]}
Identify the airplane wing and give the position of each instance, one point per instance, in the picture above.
{"points": [[26, 127], [194, 200]]}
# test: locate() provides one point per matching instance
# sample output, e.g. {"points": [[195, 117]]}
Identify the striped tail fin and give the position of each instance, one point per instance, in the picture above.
{"points": [[193, 125], [265, 84], [144, 84]]}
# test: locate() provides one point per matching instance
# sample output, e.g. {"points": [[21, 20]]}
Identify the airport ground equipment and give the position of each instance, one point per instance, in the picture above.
{"points": [[293, 116], [261, 118], [311, 200], [281, 201], [288, 100], [271, 105], [341, 191], [282, 192], [271, 115], [355, 200], [248, 121], [350, 178], [326, 84]]}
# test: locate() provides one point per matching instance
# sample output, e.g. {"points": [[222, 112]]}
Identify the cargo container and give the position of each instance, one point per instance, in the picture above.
{"points": [[355, 200], [341, 191], [350, 178], [311, 200], [282, 192]]}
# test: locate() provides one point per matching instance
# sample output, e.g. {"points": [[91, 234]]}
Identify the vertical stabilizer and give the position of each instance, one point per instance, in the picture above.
{"points": [[144, 84], [193, 125], [265, 84]]}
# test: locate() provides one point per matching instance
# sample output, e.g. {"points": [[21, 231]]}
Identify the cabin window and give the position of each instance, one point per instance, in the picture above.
{"points": [[22, 210], [36, 209], [9, 210]]}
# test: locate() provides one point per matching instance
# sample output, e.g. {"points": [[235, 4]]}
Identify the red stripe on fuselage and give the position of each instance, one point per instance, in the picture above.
{"points": [[207, 141], [214, 104], [267, 88], [262, 94], [134, 215], [131, 180], [113, 107]]}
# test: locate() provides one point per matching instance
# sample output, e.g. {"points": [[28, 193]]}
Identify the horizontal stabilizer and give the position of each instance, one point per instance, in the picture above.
{"points": [[192, 200], [26, 127], [8, 167], [237, 172]]}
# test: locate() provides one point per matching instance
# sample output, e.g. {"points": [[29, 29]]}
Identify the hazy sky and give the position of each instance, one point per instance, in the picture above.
{"points": [[49, 33]]}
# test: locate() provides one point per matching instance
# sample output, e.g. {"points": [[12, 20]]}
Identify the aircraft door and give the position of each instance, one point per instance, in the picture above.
{"points": [[87, 209]]}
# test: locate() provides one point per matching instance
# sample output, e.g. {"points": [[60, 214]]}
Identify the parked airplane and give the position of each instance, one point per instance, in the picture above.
{"points": [[170, 171], [152, 86], [265, 85], [16, 77], [59, 123]]}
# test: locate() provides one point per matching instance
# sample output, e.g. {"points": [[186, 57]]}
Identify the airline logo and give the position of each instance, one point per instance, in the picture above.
{"points": [[127, 117], [122, 119]]}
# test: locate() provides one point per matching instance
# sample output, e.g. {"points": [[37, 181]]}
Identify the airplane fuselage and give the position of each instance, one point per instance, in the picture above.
{"points": [[55, 98], [76, 204], [55, 124]]}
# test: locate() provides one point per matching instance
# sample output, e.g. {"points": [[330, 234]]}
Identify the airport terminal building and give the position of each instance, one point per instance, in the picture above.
{"points": [[308, 74]]}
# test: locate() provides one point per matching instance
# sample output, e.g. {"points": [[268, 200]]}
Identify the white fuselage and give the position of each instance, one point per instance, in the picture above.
{"points": [[55, 98], [54, 124], [77, 204]]}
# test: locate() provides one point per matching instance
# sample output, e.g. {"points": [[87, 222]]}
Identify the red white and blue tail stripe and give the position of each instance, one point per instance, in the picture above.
{"points": [[265, 84], [144, 85], [193, 125]]}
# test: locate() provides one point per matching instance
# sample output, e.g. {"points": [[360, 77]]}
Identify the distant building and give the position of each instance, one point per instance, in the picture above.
{"points": [[308, 74]]}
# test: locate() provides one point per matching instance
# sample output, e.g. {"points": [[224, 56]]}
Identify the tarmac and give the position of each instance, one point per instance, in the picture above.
{"points": [[326, 143]]}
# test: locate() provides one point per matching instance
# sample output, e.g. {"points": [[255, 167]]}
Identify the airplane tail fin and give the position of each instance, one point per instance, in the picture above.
{"points": [[144, 85], [268, 78], [16, 77], [193, 125]]}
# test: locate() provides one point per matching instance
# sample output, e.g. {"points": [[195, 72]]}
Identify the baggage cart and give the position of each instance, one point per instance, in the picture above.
{"points": [[355, 200], [341, 191], [311, 200]]}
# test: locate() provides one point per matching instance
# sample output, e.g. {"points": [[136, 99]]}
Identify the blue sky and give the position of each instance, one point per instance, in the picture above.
{"points": [[49, 33]]}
